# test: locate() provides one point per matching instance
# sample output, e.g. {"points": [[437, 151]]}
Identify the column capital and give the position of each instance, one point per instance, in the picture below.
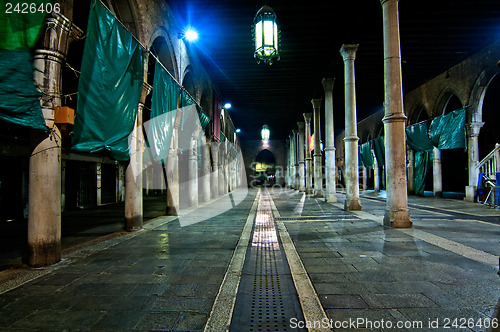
{"points": [[473, 128], [295, 131], [382, 2], [301, 126], [307, 117], [146, 90], [328, 83], [316, 102], [348, 51]]}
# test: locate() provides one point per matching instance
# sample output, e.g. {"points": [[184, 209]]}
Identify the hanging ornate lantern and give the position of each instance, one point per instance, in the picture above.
{"points": [[265, 133], [266, 36]]}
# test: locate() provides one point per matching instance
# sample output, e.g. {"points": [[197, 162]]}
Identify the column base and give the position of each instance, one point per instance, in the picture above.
{"points": [[44, 254], [438, 194], [319, 194], [302, 189], [470, 194], [352, 205], [309, 191], [332, 198], [133, 224], [397, 219]]}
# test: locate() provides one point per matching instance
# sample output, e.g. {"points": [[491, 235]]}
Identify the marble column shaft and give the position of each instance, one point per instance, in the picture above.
{"points": [[318, 164], [330, 167], [301, 164], [473, 130], [351, 169], [295, 179], [308, 157], [396, 214]]}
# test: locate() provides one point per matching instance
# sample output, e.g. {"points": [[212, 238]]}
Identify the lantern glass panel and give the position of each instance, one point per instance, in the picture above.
{"points": [[268, 33], [258, 35]]}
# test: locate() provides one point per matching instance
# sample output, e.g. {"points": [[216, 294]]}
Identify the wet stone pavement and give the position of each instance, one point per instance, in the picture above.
{"points": [[363, 270], [164, 278]]}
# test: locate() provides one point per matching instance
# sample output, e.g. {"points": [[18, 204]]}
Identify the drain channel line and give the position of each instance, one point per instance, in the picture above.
{"points": [[266, 299]]}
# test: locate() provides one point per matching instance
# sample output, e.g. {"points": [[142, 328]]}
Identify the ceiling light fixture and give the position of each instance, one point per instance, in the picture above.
{"points": [[266, 36]]}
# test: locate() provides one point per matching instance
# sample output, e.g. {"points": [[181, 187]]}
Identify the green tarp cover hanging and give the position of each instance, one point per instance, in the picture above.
{"points": [[366, 154], [379, 150], [163, 111], [20, 30], [423, 160], [204, 120], [110, 86], [417, 137], [448, 131], [19, 98]]}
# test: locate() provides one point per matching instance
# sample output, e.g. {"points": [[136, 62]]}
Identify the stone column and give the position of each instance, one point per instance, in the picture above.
{"points": [[308, 157], [98, 171], [222, 170], [173, 181], [473, 130], [437, 175], [376, 174], [121, 183], [44, 206], [351, 169], [364, 171], [411, 171], [318, 165], [301, 166], [133, 174], [295, 171], [192, 165], [396, 214], [330, 169], [205, 171], [214, 184]]}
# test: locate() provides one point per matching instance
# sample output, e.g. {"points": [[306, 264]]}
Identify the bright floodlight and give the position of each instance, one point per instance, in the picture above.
{"points": [[238, 130], [227, 105], [191, 35]]}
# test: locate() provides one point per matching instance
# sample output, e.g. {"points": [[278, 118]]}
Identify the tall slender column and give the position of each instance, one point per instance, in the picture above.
{"points": [[302, 167], [222, 170], [331, 169], [437, 174], [473, 130], [295, 179], [351, 170], [192, 186], [173, 181], [318, 165], [98, 171], [411, 171], [364, 171], [376, 174], [308, 157], [205, 171], [396, 214], [120, 197], [44, 207], [133, 181], [214, 147]]}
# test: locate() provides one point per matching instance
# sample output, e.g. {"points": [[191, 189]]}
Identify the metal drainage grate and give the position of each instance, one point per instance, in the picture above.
{"points": [[332, 218], [266, 299]]}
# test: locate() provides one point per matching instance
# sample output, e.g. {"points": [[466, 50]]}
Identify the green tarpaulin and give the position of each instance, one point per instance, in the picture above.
{"points": [[163, 112], [110, 86], [366, 155], [423, 160], [379, 150], [204, 120], [19, 98], [417, 138], [20, 30], [448, 131]]}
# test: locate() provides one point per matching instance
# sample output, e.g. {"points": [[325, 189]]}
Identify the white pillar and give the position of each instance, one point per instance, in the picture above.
{"points": [[351, 169], [396, 214], [331, 169], [376, 174], [192, 185], [295, 171], [98, 171], [205, 171], [172, 165], [300, 147], [308, 158], [473, 130], [364, 171], [318, 165], [437, 174], [214, 184], [411, 171]]}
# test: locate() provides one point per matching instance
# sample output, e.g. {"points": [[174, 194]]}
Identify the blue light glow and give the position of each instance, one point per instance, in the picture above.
{"points": [[191, 35]]}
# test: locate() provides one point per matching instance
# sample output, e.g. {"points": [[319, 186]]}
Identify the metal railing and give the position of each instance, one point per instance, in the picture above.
{"points": [[490, 165]]}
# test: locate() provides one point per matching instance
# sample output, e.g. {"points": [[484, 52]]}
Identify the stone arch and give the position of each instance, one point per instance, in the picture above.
{"points": [[478, 93], [446, 97], [490, 117], [125, 12], [161, 46], [418, 114], [188, 81]]}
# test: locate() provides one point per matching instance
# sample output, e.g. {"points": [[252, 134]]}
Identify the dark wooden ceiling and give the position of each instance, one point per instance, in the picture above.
{"points": [[435, 35]]}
